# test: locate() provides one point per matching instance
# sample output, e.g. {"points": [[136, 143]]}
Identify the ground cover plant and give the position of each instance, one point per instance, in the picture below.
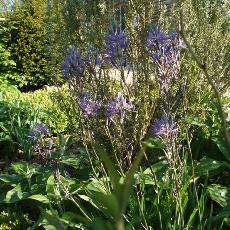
{"points": [[134, 134]]}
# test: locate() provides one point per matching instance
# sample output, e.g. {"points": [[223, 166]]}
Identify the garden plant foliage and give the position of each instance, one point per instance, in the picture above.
{"points": [[24, 34], [134, 134]]}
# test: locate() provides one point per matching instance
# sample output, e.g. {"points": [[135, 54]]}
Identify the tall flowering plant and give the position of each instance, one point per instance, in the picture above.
{"points": [[39, 136], [116, 47], [164, 50], [73, 67], [112, 108]]}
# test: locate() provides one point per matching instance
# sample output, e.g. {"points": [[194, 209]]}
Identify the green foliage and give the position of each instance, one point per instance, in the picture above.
{"points": [[7, 65], [26, 40], [47, 101], [144, 196], [19, 113], [16, 121], [14, 219], [77, 185], [77, 19], [52, 113], [208, 139], [5, 58]]}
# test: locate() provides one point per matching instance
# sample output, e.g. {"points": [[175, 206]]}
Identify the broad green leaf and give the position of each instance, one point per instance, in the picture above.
{"points": [[40, 198], [74, 162], [107, 202], [53, 221], [222, 214], [25, 169], [72, 220], [97, 185], [158, 169], [154, 143], [49, 227], [15, 195], [11, 179], [50, 185], [220, 194], [207, 165], [223, 147], [227, 221], [89, 199], [197, 121], [100, 224]]}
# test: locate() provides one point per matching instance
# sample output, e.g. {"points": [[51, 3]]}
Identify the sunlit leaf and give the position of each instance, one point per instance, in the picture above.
{"points": [[40, 198], [220, 194]]}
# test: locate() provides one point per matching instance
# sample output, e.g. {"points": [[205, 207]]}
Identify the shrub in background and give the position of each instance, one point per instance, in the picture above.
{"points": [[53, 114], [20, 112], [7, 65], [45, 100], [27, 41]]}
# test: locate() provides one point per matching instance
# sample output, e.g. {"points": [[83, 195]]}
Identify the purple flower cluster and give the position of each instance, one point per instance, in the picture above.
{"points": [[118, 106], [89, 106], [39, 135], [39, 130], [116, 45], [165, 52], [115, 52], [73, 65], [93, 57], [165, 127], [93, 60]]}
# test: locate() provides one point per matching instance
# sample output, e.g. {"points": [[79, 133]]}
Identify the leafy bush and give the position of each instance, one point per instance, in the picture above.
{"points": [[48, 101], [26, 40], [20, 112], [45, 100], [7, 65]]}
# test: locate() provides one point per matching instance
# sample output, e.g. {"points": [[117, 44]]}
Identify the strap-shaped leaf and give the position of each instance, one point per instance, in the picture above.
{"points": [[114, 176]]}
